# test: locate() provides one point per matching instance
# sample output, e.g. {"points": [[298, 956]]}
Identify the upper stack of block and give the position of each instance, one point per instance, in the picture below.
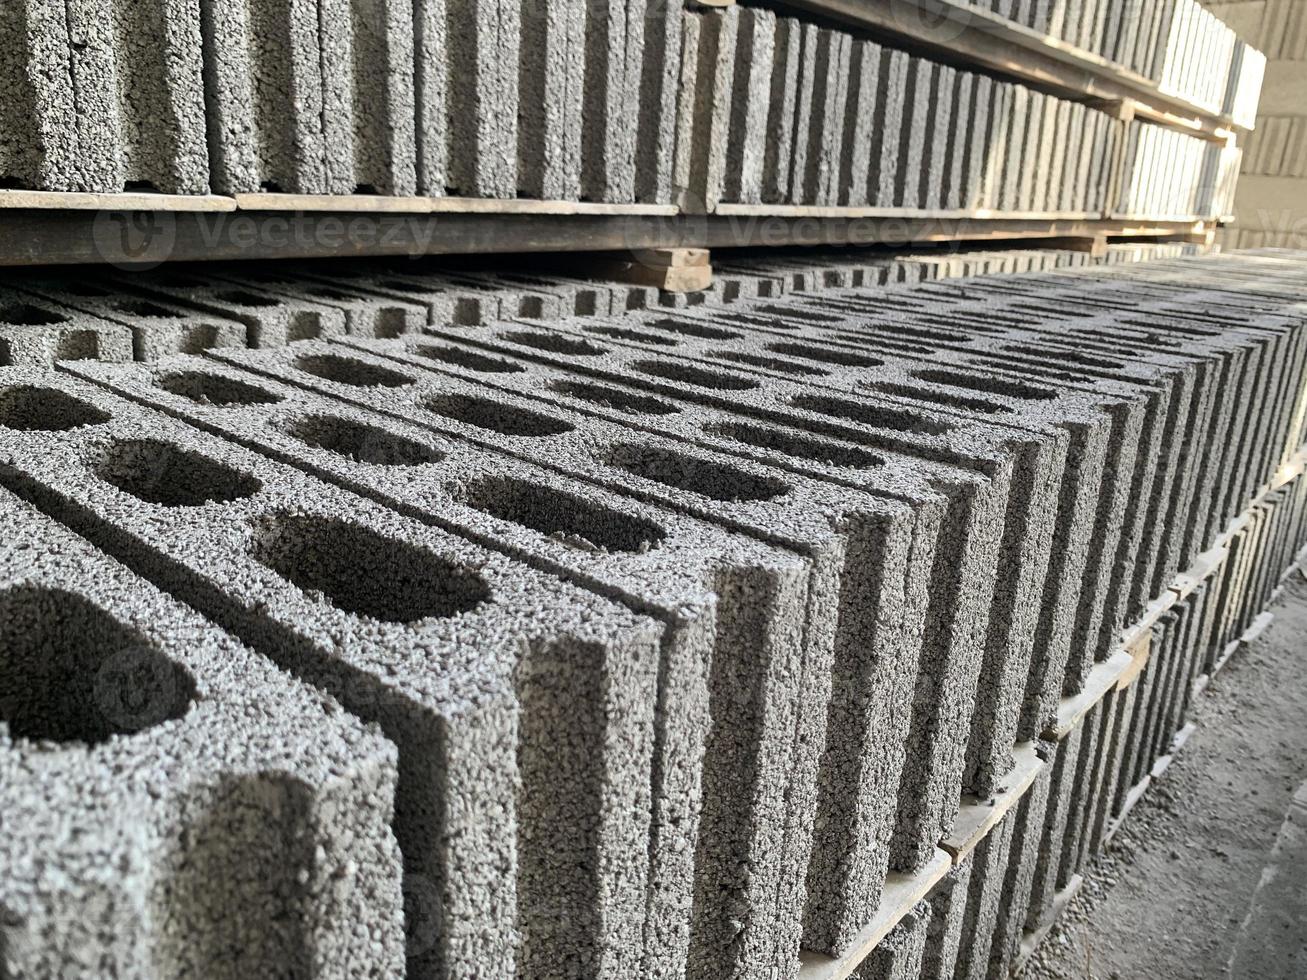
{"points": [[634, 103]]}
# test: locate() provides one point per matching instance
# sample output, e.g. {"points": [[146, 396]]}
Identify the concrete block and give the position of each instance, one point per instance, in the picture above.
{"points": [[1043, 888], [189, 777], [787, 52], [820, 175], [890, 120], [706, 106], [948, 904], [913, 149], [158, 328], [899, 955], [859, 120], [38, 149], [984, 897], [967, 124], [270, 319], [773, 834], [659, 71], [715, 592], [550, 94], [747, 141], [521, 820], [614, 56], [939, 134], [36, 331]]}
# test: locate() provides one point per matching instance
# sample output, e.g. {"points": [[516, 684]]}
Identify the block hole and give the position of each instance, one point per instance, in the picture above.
{"points": [[77, 345], [177, 281], [717, 481], [801, 314], [554, 343], [901, 346], [1070, 357], [390, 322], [85, 290], [779, 364], [350, 371], [239, 297], [304, 326], [916, 333], [360, 442], [29, 408], [214, 389], [162, 473], [365, 573], [326, 292], [469, 359], [995, 386], [27, 315], [745, 320], [484, 413], [412, 288], [202, 337], [826, 355], [690, 328], [876, 416], [616, 398], [72, 673], [531, 308], [936, 397], [566, 517], [791, 444], [143, 308], [634, 336], [691, 375]]}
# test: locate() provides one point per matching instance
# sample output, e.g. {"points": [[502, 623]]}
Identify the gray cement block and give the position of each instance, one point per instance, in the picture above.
{"points": [[859, 120], [899, 955], [38, 138], [939, 134], [652, 559], [913, 144], [270, 319], [258, 60], [186, 772], [746, 148], [787, 52], [820, 176], [510, 806], [895, 98], [990, 862], [614, 54], [706, 106], [880, 427], [550, 96], [948, 903], [966, 121], [37, 331], [659, 71], [774, 833], [158, 328]]}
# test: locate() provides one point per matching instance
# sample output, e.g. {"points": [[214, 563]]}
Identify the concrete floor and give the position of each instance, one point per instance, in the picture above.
{"points": [[1208, 878]]}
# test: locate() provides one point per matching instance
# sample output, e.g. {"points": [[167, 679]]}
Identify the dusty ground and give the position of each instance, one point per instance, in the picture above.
{"points": [[1208, 877]]}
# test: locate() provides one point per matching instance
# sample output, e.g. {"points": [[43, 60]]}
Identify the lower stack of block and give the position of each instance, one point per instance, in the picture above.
{"points": [[645, 644]]}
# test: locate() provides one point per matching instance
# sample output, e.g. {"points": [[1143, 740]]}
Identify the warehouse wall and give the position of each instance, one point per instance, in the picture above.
{"points": [[1271, 203]]}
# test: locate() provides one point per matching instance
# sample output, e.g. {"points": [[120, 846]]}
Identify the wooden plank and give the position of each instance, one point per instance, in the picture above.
{"points": [[1139, 652], [900, 894], [380, 204], [125, 201], [1102, 679], [1151, 614], [1203, 568], [43, 237], [977, 817]]}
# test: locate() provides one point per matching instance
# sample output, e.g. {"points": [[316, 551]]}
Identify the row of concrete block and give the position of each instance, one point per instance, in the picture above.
{"points": [[1178, 44], [678, 655], [777, 111], [610, 102], [395, 97], [1171, 173], [1003, 895], [46, 318]]}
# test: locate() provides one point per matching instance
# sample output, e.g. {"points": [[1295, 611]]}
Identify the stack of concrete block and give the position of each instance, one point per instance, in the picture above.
{"points": [[685, 627], [103, 96], [1169, 174], [776, 111], [1187, 50]]}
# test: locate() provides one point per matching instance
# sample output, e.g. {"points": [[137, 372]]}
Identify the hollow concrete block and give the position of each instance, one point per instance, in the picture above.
{"points": [[34, 330], [216, 817]]}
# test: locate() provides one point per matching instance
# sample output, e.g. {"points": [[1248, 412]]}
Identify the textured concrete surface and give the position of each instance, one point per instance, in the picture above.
{"points": [[707, 615]]}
